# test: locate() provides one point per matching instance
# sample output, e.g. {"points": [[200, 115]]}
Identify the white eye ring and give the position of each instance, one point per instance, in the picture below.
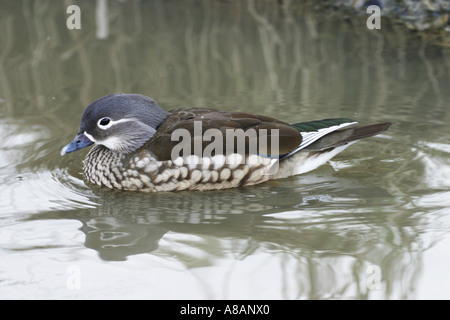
{"points": [[104, 123]]}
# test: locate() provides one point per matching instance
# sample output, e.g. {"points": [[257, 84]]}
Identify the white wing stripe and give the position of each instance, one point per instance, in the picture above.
{"points": [[310, 137]]}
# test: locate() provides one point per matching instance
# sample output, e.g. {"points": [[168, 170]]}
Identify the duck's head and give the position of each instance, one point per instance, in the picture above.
{"points": [[120, 122]]}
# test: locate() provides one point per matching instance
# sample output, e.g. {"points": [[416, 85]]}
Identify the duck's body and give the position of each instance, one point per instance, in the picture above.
{"points": [[142, 171], [135, 143]]}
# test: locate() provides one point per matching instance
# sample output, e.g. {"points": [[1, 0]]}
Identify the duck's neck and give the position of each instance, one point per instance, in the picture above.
{"points": [[103, 167]]}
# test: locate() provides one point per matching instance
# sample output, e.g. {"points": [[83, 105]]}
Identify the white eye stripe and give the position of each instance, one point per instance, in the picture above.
{"points": [[112, 122]]}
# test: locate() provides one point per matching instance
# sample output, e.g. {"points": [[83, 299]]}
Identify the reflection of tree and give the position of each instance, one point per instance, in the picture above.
{"points": [[291, 54]]}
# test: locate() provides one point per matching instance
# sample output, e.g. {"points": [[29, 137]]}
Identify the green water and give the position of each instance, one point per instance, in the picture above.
{"points": [[371, 224]]}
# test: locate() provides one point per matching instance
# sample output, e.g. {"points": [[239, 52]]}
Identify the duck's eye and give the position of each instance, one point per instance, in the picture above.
{"points": [[103, 123]]}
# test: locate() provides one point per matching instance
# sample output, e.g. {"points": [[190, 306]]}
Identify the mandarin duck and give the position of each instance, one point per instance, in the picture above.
{"points": [[138, 145]]}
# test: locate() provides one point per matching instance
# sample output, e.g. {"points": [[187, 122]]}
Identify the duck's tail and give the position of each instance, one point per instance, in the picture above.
{"points": [[344, 136], [319, 145]]}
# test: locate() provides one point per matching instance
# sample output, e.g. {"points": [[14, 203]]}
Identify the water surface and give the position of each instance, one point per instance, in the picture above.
{"points": [[371, 224]]}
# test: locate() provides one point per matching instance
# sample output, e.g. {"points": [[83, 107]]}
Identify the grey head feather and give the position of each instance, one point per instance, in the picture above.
{"points": [[134, 119]]}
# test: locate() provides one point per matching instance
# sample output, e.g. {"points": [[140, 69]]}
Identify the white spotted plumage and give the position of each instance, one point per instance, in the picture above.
{"points": [[145, 173]]}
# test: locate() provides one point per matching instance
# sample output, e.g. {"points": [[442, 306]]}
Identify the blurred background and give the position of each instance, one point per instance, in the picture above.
{"points": [[371, 224]]}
